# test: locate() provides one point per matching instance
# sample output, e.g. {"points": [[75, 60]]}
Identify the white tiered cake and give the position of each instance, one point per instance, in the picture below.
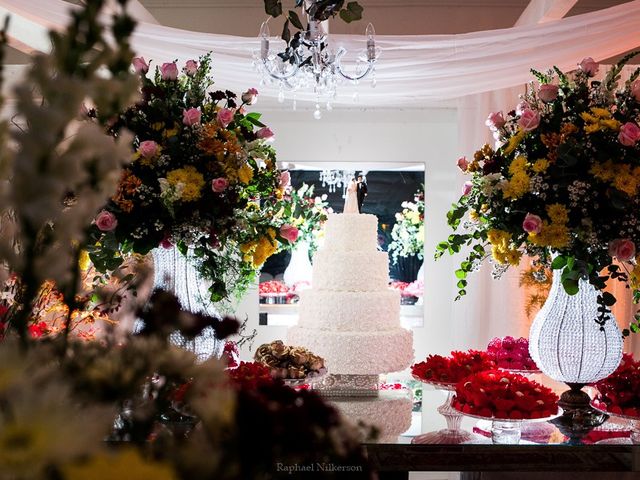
{"points": [[350, 316]]}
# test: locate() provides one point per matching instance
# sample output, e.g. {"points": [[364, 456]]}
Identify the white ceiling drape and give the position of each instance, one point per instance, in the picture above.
{"points": [[414, 70]]}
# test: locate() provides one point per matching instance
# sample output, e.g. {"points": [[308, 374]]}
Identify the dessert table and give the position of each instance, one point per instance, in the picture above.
{"points": [[489, 462]]}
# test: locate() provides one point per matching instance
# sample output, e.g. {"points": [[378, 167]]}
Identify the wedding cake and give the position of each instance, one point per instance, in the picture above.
{"points": [[350, 317]]}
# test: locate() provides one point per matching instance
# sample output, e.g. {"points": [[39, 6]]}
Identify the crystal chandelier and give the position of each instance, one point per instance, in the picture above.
{"points": [[336, 179], [309, 63]]}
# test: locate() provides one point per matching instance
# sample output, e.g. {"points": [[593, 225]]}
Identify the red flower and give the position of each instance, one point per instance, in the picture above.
{"points": [[499, 394], [231, 353], [251, 375], [619, 393], [459, 365], [37, 330]]}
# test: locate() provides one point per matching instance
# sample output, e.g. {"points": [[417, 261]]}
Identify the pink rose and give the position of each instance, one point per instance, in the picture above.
{"points": [[148, 149], [285, 179], [191, 67], [106, 221], [250, 96], [169, 71], [623, 249], [529, 120], [629, 134], [463, 163], [191, 117], [466, 188], [635, 90], [532, 223], [588, 66], [140, 65], [219, 184], [225, 117], [495, 120], [265, 133], [289, 232], [548, 92]]}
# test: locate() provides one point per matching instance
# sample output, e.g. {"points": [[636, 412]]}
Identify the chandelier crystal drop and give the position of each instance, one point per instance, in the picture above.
{"points": [[311, 64], [336, 179]]}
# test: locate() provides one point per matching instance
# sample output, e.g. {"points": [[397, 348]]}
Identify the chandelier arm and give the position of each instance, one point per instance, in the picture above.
{"points": [[338, 63], [293, 73]]}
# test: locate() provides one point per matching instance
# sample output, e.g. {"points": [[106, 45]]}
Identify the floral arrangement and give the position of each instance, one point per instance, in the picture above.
{"points": [[62, 398], [511, 353], [202, 178], [619, 393], [562, 185], [453, 368], [289, 362], [307, 212], [504, 395], [273, 287], [408, 233]]}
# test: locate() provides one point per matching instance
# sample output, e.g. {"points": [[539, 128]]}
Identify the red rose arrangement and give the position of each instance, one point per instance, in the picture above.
{"points": [[454, 368], [511, 353], [619, 393], [250, 375], [273, 287], [500, 394]]}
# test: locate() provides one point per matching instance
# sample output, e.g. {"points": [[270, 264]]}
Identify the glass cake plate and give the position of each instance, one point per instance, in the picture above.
{"points": [[453, 434], [508, 431], [633, 424]]}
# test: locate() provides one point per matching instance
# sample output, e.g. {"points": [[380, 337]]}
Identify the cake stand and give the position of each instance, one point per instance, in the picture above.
{"points": [[453, 434], [507, 431], [634, 426]]}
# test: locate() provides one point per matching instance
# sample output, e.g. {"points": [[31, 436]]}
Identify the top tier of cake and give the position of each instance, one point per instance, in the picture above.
{"points": [[351, 232]]}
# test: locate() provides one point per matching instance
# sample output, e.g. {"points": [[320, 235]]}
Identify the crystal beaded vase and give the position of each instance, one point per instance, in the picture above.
{"points": [[569, 345], [566, 342], [175, 273]]}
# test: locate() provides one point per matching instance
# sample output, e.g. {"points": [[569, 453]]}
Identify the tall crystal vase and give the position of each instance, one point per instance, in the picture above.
{"points": [[299, 268], [175, 273], [569, 345]]}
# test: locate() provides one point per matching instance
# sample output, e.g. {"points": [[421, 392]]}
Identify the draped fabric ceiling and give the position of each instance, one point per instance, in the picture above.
{"points": [[414, 70]]}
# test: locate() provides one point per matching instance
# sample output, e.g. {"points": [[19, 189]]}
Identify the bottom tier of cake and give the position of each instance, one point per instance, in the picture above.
{"points": [[357, 353], [390, 413]]}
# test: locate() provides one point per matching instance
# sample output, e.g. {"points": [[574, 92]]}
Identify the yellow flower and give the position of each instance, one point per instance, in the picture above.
{"points": [[519, 165], [552, 235], [599, 119], [247, 247], [84, 262], [157, 126], [266, 247], [245, 173], [126, 463], [474, 216], [558, 213], [170, 132], [517, 186], [191, 180], [541, 165], [514, 141]]}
